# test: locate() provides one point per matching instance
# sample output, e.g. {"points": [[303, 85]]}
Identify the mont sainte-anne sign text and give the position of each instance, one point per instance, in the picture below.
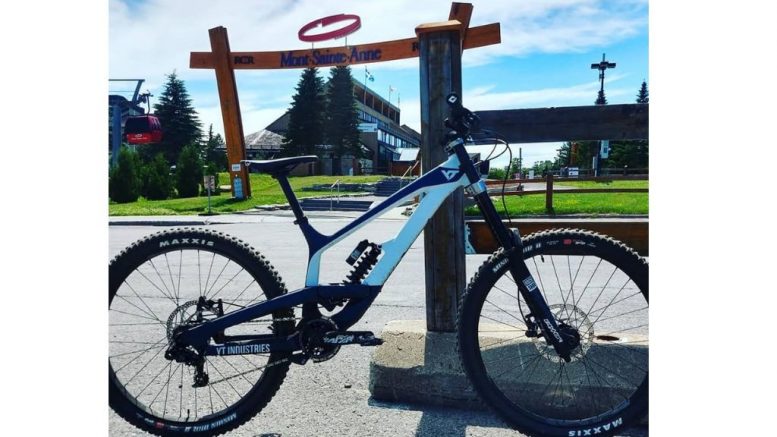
{"points": [[326, 57]]}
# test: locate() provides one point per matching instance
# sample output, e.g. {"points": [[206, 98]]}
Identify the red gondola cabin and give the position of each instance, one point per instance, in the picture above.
{"points": [[144, 129]]}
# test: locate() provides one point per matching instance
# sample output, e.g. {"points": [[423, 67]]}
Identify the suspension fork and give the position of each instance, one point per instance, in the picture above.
{"points": [[511, 242]]}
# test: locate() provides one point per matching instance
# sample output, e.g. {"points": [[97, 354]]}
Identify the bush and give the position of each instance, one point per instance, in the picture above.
{"points": [[124, 183], [496, 173], [188, 172], [157, 182]]}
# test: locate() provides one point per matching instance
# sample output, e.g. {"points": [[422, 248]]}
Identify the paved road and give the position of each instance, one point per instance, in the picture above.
{"points": [[332, 398]]}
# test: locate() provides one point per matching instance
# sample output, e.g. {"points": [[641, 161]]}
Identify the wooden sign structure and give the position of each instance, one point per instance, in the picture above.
{"points": [[439, 47], [225, 62]]}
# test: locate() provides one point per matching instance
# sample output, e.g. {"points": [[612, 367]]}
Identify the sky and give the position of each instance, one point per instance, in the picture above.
{"points": [[543, 60]]}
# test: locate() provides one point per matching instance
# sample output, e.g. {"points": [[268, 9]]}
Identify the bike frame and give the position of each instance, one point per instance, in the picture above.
{"points": [[433, 187]]}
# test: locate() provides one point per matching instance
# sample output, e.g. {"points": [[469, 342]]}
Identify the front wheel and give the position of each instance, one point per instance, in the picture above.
{"points": [[597, 289]]}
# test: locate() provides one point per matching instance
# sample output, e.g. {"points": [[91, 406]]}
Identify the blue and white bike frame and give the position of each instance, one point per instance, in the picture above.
{"points": [[433, 187]]}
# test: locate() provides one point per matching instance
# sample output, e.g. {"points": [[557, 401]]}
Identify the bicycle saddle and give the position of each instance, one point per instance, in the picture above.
{"points": [[282, 165]]}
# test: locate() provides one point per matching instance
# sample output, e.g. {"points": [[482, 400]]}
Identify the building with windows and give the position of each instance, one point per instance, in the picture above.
{"points": [[382, 137]]}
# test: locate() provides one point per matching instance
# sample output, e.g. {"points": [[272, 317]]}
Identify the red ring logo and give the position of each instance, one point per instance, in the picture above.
{"points": [[326, 21]]}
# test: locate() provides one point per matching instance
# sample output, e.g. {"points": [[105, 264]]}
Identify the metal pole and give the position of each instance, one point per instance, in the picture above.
{"points": [[115, 134]]}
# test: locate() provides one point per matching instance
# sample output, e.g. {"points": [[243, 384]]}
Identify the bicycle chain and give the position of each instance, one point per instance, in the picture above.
{"points": [[281, 361]]}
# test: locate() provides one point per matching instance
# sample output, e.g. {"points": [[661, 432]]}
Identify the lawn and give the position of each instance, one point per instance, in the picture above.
{"points": [[264, 191], [593, 203]]}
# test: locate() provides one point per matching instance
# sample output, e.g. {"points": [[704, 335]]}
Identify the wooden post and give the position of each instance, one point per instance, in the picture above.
{"points": [[549, 193], [230, 109], [440, 68]]}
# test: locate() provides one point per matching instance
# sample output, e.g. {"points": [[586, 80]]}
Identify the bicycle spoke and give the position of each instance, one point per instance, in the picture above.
{"points": [[500, 309], [210, 269], [134, 352], [140, 354], [172, 282], [164, 284], [560, 290], [637, 293], [216, 280], [223, 286]]}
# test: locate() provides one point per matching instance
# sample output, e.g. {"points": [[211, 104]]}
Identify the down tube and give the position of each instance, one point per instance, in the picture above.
{"points": [[395, 249], [443, 180]]}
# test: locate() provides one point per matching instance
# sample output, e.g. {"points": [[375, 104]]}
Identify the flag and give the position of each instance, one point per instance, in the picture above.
{"points": [[391, 89], [368, 75]]}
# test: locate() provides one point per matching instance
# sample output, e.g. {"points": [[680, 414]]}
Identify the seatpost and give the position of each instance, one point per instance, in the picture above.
{"points": [[283, 180]]}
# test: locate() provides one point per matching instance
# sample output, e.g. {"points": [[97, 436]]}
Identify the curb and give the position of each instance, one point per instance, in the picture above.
{"points": [[416, 366]]}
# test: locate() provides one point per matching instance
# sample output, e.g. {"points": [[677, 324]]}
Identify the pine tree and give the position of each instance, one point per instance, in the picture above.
{"points": [[180, 123], [631, 153], [124, 182], [188, 172], [306, 116], [157, 182], [600, 98], [214, 151], [342, 119], [642, 95]]}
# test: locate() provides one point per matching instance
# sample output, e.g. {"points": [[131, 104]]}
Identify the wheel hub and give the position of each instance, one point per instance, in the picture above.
{"points": [[574, 327]]}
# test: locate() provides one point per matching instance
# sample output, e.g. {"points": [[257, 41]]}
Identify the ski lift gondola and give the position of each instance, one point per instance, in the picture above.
{"points": [[143, 129]]}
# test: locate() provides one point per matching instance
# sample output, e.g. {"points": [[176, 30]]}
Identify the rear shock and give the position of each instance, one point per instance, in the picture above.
{"points": [[363, 258]]}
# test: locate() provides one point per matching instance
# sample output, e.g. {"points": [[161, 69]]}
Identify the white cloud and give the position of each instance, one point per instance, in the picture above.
{"points": [[149, 39]]}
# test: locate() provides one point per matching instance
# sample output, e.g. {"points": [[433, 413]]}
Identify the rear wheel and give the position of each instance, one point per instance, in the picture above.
{"points": [[597, 289], [164, 281]]}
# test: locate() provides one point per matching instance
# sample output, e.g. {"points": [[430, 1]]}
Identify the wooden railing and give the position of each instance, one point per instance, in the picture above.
{"points": [[517, 190]]}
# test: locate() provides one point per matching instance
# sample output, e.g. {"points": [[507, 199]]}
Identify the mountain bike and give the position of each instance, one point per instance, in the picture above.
{"points": [[552, 329]]}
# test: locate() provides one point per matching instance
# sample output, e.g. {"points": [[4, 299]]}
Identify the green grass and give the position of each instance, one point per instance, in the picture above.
{"points": [[594, 204], [264, 191]]}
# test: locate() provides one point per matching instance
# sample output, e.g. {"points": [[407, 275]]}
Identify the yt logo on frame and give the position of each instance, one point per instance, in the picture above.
{"points": [[450, 174]]}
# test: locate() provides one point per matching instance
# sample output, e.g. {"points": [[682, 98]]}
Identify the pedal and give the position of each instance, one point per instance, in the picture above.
{"points": [[362, 338], [300, 359]]}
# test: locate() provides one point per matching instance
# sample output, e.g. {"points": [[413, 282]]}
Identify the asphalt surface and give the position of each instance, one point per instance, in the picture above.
{"points": [[331, 398]]}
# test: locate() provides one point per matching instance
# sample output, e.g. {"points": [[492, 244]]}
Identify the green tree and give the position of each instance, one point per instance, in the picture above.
{"points": [[157, 182], [632, 153], [214, 151], [341, 130], [306, 116], [124, 183], [576, 154], [180, 122], [188, 172], [642, 95], [600, 98]]}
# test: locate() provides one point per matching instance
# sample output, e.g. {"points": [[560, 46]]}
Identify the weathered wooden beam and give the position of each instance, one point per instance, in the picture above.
{"points": [[632, 231], [230, 111], [570, 191], [478, 36], [498, 182], [440, 74], [599, 122]]}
